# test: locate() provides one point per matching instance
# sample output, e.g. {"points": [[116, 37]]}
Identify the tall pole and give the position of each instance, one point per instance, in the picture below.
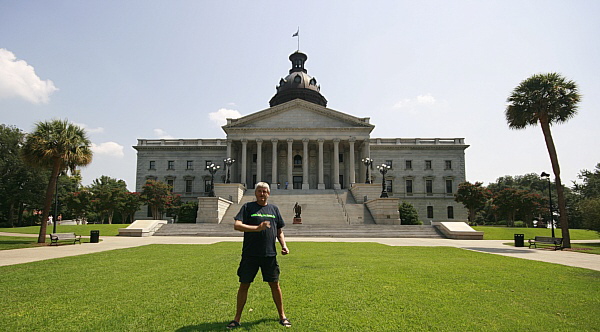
{"points": [[368, 162], [383, 169], [547, 176]]}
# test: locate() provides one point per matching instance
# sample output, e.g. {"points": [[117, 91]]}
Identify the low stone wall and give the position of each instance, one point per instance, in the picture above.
{"points": [[360, 190], [212, 209], [142, 228], [384, 211], [230, 191], [458, 230]]}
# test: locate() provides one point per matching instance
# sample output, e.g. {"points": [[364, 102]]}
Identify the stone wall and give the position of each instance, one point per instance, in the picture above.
{"points": [[384, 211], [211, 209]]}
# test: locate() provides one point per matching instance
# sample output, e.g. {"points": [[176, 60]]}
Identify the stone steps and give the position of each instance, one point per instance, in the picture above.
{"points": [[305, 230]]}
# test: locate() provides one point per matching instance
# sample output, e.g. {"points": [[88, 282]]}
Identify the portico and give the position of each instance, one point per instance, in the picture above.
{"points": [[326, 162]]}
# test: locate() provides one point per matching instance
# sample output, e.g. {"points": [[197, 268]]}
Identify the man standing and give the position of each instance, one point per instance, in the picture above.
{"points": [[262, 224]]}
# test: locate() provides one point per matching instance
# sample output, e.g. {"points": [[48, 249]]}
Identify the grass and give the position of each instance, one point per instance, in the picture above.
{"points": [[16, 242], [507, 233], [105, 229], [326, 287]]}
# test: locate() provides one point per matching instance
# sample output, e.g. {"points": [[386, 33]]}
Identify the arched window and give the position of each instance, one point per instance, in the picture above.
{"points": [[297, 161]]}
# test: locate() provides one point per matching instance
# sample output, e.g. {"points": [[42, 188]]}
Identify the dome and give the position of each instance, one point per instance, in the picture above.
{"points": [[298, 84]]}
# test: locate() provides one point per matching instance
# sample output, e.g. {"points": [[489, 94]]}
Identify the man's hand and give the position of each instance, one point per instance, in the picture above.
{"points": [[285, 251], [264, 225]]}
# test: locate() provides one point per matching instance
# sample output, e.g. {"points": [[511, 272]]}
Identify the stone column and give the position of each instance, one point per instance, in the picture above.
{"points": [[229, 153], [368, 154], [321, 184], [274, 167], [305, 184], [244, 161], [336, 164], [352, 179], [259, 142], [290, 163]]}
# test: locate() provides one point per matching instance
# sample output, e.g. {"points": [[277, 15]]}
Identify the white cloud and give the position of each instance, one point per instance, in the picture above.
{"points": [[161, 134], [89, 130], [111, 149], [420, 100], [18, 79], [220, 117]]}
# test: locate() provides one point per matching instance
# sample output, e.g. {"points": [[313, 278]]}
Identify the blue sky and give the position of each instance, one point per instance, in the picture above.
{"points": [[151, 69]]}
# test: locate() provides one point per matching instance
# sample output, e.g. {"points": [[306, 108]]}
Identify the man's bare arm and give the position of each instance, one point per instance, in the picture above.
{"points": [[240, 226], [281, 238]]}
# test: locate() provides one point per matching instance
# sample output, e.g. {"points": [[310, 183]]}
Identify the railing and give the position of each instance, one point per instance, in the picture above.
{"points": [[341, 202]]}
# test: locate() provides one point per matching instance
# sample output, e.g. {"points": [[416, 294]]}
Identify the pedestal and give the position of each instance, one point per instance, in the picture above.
{"points": [[297, 220]]}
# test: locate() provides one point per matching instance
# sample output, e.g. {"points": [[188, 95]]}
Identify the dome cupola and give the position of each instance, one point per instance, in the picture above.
{"points": [[298, 84]]}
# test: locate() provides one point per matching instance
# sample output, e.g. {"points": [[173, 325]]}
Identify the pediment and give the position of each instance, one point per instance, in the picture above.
{"points": [[297, 114]]}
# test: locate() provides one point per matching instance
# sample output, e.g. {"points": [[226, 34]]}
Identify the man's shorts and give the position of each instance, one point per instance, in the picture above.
{"points": [[249, 266]]}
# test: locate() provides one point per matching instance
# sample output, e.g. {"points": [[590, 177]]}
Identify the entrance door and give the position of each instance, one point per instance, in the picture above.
{"points": [[341, 181], [297, 182]]}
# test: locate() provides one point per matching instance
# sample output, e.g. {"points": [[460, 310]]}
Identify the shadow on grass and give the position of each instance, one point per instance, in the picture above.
{"points": [[221, 326], [501, 250]]}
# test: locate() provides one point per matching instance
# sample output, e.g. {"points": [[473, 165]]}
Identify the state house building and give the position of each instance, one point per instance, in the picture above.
{"points": [[299, 144]]}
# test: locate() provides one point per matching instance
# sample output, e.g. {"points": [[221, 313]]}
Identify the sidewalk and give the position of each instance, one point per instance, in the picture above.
{"points": [[26, 255]]}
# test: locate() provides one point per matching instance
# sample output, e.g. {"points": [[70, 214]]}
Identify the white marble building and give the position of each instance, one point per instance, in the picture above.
{"points": [[300, 144]]}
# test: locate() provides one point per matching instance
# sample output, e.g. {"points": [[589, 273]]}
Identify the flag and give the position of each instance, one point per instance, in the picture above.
{"points": [[296, 34]]}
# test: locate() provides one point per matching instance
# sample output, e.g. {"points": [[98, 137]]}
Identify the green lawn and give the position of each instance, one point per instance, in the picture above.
{"points": [[508, 233], [17, 242], [105, 229], [326, 286]]}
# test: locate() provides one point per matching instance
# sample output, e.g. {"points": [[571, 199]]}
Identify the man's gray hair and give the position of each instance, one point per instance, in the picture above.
{"points": [[262, 185]]}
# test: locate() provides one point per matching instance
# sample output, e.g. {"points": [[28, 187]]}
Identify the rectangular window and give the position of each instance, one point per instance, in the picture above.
{"points": [[152, 164], [171, 164], [429, 187], [408, 164], [190, 164], [409, 187], [430, 212], [448, 186], [388, 162], [427, 164], [341, 158], [450, 212], [149, 214], [254, 157], [189, 186], [170, 183], [388, 186], [206, 185], [448, 164], [208, 163]]}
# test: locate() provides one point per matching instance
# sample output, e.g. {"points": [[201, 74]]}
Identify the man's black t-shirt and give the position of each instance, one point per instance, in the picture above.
{"points": [[260, 244]]}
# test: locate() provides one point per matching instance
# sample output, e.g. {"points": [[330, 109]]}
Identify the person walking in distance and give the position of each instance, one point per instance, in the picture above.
{"points": [[262, 224]]}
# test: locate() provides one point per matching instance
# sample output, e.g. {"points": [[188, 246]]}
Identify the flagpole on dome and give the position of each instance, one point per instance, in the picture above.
{"points": [[297, 34]]}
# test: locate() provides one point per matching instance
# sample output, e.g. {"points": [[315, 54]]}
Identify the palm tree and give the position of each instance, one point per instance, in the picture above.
{"points": [[60, 146], [545, 99]]}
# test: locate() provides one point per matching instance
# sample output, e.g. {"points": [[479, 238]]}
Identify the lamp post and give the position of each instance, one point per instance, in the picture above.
{"points": [[228, 162], [547, 177], [55, 219], [368, 162], [383, 169], [212, 169]]}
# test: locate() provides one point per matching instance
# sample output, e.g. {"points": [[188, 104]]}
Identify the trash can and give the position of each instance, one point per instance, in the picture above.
{"points": [[94, 236], [519, 240]]}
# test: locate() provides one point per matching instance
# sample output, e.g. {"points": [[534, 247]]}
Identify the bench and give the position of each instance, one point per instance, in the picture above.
{"points": [[55, 237], [555, 241]]}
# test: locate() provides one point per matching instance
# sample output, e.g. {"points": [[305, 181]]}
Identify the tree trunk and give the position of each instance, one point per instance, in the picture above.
{"points": [[48, 201], [562, 206]]}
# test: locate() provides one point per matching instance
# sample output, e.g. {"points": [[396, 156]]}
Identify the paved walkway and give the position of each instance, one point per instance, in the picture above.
{"points": [[25, 255]]}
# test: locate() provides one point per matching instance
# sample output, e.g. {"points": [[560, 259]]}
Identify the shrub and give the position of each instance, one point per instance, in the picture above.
{"points": [[408, 214], [590, 209]]}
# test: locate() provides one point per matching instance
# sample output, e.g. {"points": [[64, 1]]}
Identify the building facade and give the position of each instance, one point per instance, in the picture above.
{"points": [[300, 144]]}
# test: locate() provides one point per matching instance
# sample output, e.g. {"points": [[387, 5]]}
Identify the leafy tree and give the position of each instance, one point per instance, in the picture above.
{"points": [[157, 195], [545, 99], [79, 203], [173, 205], [408, 214], [108, 193], [591, 213], [21, 187], [59, 146], [188, 212], [128, 204], [507, 201], [590, 188], [473, 197]]}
